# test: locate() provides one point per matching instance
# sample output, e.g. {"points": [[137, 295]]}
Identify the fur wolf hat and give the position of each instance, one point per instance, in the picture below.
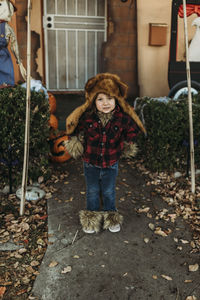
{"points": [[106, 83]]}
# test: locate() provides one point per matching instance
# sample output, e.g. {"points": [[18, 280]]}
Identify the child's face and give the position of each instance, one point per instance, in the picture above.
{"points": [[105, 103]]}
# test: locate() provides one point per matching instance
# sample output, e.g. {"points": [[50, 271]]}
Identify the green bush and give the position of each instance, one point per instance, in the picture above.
{"points": [[167, 142], [12, 131]]}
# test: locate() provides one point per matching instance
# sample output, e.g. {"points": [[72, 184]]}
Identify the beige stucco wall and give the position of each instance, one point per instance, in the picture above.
{"points": [[153, 60], [36, 25]]}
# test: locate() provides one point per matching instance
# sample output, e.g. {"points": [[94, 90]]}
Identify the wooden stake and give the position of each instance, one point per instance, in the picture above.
{"points": [[27, 124], [192, 165]]}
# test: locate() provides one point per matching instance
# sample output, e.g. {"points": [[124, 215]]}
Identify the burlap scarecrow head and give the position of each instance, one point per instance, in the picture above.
{"points": [[11, 2], [7, 9], [109, 84]]}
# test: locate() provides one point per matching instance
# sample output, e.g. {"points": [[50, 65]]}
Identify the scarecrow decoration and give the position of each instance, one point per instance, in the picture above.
{"points": [[194, 50], [7, 9]]}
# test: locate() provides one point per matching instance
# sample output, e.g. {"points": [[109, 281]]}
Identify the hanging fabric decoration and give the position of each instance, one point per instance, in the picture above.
{"points": [[194, 48], [190, 8]]}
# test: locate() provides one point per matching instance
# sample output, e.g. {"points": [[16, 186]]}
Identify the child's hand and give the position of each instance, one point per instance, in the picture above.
{"points": [[74, 147]]}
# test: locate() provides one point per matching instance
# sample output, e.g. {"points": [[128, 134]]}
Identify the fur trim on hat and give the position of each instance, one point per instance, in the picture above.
{"points": [[74, 147], [130, 150], [109, 84], [90, 220], [111, 218]]}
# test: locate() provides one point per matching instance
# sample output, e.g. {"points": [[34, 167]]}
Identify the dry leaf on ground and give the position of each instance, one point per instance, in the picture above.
{"points": [[67, 269], [2, 290], [159, 231], [151, 226], [184, 242], [143, 210], [53, 264], [166, 277], [35, 263], [193, 268]]}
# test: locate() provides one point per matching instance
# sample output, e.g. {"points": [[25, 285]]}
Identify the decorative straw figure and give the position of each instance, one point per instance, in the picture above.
{"points": [[194, 49], [7, 9]]}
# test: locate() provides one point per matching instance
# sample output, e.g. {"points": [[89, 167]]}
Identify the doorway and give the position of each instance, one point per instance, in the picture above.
{"points": [[74, 31]]}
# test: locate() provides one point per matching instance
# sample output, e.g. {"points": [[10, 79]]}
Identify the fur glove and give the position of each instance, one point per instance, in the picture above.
{"points": [[129, 151], [74, 146]]}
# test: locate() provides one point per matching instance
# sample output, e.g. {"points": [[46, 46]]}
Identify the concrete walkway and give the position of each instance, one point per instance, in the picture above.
{"points": [[133, 264]]}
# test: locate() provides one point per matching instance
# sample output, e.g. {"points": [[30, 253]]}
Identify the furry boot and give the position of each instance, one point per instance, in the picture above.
{"points": [[112, 219], [90, 220]]}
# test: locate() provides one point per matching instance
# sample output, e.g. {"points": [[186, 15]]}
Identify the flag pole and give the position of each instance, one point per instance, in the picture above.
{"points": [[192, 165], [27, 122]]}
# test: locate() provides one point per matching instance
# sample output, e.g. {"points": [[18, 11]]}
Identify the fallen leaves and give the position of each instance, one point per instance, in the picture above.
{"points": [[159, 231], [184, 242], [177, 194], [162, 232], [193, 268], [41, 242], [24, 255], [166, 277], [67, 269], [69, 200], [146, 240], [151, 226], [2, 290], [35, 263], [144, 210], [53, 264]]}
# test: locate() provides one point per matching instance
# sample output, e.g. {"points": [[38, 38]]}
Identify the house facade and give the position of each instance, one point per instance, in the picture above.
{"points": [[72, 40]]}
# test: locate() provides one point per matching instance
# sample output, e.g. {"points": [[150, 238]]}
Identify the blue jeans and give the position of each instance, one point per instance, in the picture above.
{"points": [[100, 180]]}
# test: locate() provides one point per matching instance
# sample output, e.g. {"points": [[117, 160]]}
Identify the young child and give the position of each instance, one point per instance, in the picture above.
{"points": [[101, 131]]}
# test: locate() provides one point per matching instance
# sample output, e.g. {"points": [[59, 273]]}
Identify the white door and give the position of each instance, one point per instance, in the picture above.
{"points": [[74, 31]]}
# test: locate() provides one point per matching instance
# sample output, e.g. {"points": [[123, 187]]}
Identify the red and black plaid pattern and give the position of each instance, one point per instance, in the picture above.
{"points": [[103, 145]]}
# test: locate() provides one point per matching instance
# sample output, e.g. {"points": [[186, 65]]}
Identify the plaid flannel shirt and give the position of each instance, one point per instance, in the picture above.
{"points": [[103, 145]]}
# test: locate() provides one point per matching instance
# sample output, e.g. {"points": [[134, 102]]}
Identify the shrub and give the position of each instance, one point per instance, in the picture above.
{"points": [[166, 145], [12, 128]]}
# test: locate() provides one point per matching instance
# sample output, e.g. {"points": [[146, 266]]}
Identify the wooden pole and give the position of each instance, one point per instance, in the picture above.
{"points": [[27, 123], [192, 165]]}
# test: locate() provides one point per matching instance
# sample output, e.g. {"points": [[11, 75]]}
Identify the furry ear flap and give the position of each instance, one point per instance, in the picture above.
{"points": [[90, 84], [123, 88]]}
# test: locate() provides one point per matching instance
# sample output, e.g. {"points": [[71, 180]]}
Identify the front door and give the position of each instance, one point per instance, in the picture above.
{"points": [[74, 31]]}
